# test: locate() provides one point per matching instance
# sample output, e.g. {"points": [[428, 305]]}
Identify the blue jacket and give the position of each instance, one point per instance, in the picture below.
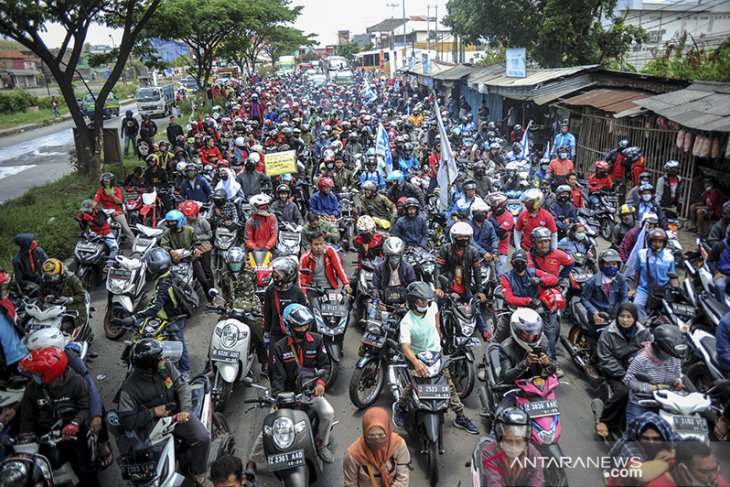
{"points": [[567, 139], [521, 284], [198, 190], [642, 207], [485, 238], [319, 147], [723, 263], [375, 176], [413, 231], [722, 344], [560, 212], [381, 274], [10, 340], [324, 203], [594, 298], [409, 166]]}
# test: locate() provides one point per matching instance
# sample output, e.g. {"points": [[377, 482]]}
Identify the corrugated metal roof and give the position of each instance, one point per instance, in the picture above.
{"points": [[452, 74], [436, 68], [608, 99], [701, 106], [536, 76], [548, 92]]}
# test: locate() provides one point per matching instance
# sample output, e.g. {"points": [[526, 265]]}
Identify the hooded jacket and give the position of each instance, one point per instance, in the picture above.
{"points": [[70, 391], [615, 351], [28, 262], [413, 231]]}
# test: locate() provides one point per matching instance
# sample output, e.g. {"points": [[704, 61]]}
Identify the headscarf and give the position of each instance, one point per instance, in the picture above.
{"points": [[629, 446], [378, 459], [230, 186]]}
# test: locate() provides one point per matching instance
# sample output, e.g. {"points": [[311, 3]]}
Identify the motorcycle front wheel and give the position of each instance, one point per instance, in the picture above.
{"points": [[113, 332], [224, 394], [433, 462], [334, 370], [463, 375], [606, 228], [368, 380]]}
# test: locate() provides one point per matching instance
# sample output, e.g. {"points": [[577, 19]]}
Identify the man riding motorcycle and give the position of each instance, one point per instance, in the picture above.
{"points": [[603, 292], [61, 286], [376, 205], [398, 187], [412, 227], [262, 228]]}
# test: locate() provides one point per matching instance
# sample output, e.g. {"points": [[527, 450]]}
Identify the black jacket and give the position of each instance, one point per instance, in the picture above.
{"points": [[283, 367], [275, 302], [447, 261], [71, 391], [172, 132], [381, 275], [407, 190], [26, 271], [615, 352], [130, 126], [148, 129], [511, 361]]}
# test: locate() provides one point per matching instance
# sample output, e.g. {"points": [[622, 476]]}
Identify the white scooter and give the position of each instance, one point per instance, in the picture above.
{"points": [[52, 315], [125, 285], [290, 239], [146, 239]]}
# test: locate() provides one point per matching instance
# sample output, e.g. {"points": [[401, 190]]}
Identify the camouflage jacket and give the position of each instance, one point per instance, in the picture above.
{"points": [[239, 289]]}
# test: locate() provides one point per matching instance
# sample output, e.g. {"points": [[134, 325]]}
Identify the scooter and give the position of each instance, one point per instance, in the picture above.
{"points": [[605, 212], [231, 355], [90, 255], [52, 315], [289, 241], [146, 238], [366, 298], [345, 222], [125, 284], [224, 239], [459, 321], [260, 259]]}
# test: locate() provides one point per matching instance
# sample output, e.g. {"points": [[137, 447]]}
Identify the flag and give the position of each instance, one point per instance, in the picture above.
{"points": [[396, 85], [382, 148], [447, 165], [631, 261], [367, 92], [526, 141], [547, 151]]}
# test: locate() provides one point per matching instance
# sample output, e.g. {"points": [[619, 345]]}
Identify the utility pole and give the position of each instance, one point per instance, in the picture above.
{"points": [[436, 28], [428, 27], [405, 45], [391, 41]]}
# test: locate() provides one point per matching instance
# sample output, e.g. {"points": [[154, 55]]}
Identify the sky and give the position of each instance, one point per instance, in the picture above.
{"points": [[322, 17]]}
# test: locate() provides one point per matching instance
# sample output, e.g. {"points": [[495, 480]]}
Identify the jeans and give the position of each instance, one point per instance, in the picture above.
{"points": [[551, 332], [501, 264], [113, 246], [720, 288], [184, 363], [122, 220], [127, 140], [593, 201], [634, 410], [640, 300], [466, 296], [194, 434]]}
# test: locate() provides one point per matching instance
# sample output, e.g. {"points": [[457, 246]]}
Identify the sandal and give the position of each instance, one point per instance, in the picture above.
{"points": [[105, 460], [601, 429]]}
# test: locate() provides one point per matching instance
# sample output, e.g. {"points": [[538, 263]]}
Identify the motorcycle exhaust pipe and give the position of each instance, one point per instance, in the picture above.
{"points": [[577, 359], [393, 382]]}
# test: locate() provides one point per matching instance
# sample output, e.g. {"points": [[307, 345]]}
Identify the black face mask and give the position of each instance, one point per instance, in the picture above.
{"points": [[499, 210], [224, 178], [300, 334], [461, 243], [250, 168], [367, 237], [519, 266], [651, 449], [479, 173], [563, 199], [479, 218], [172, 225]]}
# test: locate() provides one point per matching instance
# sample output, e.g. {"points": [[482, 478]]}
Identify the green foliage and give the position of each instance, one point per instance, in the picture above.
{"points": [[684, 59], [19, 100], [493, 56], [348, 50], [125, 91], [283, 40]]}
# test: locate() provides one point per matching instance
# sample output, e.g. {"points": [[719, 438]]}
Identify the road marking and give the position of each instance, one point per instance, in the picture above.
{"points": [[11, 170]]}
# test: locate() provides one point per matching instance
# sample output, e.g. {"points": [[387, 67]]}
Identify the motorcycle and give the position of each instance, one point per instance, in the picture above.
{"points": [[702, 369], [514, 205], [133, 204], [260, 259], [90, 255], [289, 240], [146, 239], [224, 238], [231, 355], [345, 222], [458, 319], [582, 340], [605, 212], [125, 284], [151, 210], [52, 315], [366, 299]]}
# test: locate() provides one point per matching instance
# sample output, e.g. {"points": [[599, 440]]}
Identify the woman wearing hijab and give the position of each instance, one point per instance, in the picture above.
{"points": [[379, 457], [228, 183]]}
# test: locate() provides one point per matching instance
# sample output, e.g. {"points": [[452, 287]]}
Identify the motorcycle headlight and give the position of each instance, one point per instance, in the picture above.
{"points": [[116, 286], [229, 336], [546, 436], [283, 432], [375, 328], [467, 329], [434, 369], [150, 330]]}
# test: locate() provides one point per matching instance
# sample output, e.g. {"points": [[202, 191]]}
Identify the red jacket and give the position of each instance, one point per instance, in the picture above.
{"points": [[552, 262], [206, 152], [369, 250], [637, 168], [96, 221], [107, 202], [549, 280], [577, 196], [333, 268], [599, 184], [261, 232]]}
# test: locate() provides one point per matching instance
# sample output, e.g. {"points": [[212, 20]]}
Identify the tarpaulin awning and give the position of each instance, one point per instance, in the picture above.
{"points": [[702, 106], [607, 99], [455, 73]]}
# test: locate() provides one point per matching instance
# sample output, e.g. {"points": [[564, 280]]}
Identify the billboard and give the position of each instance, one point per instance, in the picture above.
{"points": [[516, 64]]}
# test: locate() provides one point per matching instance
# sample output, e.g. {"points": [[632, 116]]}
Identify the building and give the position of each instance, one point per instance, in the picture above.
{"points": [[18, 70], [707, 21]]}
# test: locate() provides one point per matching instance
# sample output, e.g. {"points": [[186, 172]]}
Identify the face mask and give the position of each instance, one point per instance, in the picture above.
{"points": [[461, 243], [329, 165], [422, 309], [172, 225], [235, 267], [545, 190], [563, 156], [661, 355], [512, 451], [191, 175], [580, 236], [651, 449], [610, 271], [628, 220], [479, 173], [250, 168], [479, 218], [376, 443], [498, 211], [563, 199], [519, 266], [37, 379], [224, 178], [394, 260], [300, 334], [646, 197], [367, 237]]}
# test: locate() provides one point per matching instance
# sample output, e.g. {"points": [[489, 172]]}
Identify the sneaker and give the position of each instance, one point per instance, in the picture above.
{"points": [[466, 424], [399, 416], [487, 336], [326, 455], [559, 371]]}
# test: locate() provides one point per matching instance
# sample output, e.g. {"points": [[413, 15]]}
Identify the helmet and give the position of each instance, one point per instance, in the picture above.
{"points": [[412, 202], [189, 208], [517, 147], [657, 234], [107, 177], [394, 246], [288, 267], [525, 326], [86, 206], [563, 148], [517, 127], [365, 224], [240, 142], [48, 364], [623, 144], [152, 160], [369, 185], [671, 166], [176, 216], [626, 209], [540, 234], [649, 217], [220, 197], [470, 184], [53, 270], [460, 229], [563, 188], [602, 166], [396, 176], [145, 355], [408, 147], [163, 143], [45, 337], [512, 417], [608, 255], [496, 200], [519, 255], [325, 183], [417, 291], [128, 113], [296, 315], [646, 187], [283, 188], [631, 154], [478, 205], [534, 195], [495, 145], [260, 204], [669, 340], [234, 258], [158, 261], [479, 166]]}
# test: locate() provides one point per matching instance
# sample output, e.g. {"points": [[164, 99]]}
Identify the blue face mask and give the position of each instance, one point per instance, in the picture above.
{"points": [[610, 271], [37, 379], [563, 155]]}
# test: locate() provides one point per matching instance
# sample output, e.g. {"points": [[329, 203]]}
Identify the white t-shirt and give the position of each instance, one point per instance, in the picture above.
{"points": [[421, 333]]}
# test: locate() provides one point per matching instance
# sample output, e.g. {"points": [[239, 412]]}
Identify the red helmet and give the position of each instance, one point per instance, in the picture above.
{"points": [[553, 299], [48, 363], [602, 166], [190, 208], [325, 183]]}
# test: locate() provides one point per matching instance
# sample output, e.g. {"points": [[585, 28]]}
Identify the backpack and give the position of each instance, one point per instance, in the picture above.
{"points": [[186, 299]]}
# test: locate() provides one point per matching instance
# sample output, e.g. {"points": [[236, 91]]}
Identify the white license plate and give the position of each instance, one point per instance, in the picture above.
{"points": [[282, 461], [473, 341], [373, 340], [433, 391], [690, 423], [120, 274], [229, 356], [333, 309], [539, 409]]}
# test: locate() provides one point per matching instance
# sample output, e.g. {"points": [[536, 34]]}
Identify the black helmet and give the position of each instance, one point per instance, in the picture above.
{"points": [[146, 355], [669, 340], [418, 290], [632, 154], [511, 417], [220, 197], [283, 188], [412, 202], [519, 255], [128, 113], [158, 261]]}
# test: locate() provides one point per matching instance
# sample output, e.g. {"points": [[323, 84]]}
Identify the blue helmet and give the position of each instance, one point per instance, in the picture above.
{"points": [[370, 152], [395, 176], [175, 215], [296, 315], [286, 177]]}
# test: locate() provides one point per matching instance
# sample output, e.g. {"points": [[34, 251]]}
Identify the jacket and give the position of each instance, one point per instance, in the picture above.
{"points": [[409, 166], [324, 227], [141, 393], [228, 215], [618, 233], [239, 288], [275, 302], [72, 288], [382, 271], [172, 133], [107, 202], [96, 221], [561, 212], [326, 204], [374, 247], [722, 344], [555, 262], [155, 177], [130, 126], [642, 207], [202, 229], [287, 212], [162, 304], [413, 231], [71, 391], [595, 298], [374, 176], [379, 207], [497, 473], [511, 361], [284, 366], [148, 129], [356, 474], [28, 262], [717, 232], [333, 267], [251, 182], [446, 264], [664, 191], [484, 238], [615, 351], [668, 372], [517, 289], [210, 155], [484, 185], [527, 222], [406, 190], [627, 244], [197, 190], [186, 239], [261, 232], [719, 258]]}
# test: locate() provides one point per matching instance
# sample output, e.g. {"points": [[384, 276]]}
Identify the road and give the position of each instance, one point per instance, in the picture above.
{"points": [[37, 156]]}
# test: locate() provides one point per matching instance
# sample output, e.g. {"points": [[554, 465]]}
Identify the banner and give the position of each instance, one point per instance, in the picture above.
{"points": [[447, 165], [382, 148], [629, 270], [368, 93], [281, 163]]}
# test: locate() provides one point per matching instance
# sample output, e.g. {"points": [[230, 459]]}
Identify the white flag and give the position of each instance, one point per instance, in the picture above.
{"points": [[447, 165]]}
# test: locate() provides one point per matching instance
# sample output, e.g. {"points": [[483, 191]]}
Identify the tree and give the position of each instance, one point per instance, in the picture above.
{"points": [[283, 39], [555, 32], [24, 22], [682, 58], [348, 50]]}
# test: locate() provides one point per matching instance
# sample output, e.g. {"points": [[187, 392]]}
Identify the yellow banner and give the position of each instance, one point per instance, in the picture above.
{"points": [[281, 163]]}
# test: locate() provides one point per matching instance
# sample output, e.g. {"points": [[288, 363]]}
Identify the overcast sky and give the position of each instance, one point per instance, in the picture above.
{"points": [[322, 17]]}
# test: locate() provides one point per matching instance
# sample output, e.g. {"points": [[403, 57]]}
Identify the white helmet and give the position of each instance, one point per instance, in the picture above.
{"points": [[255, 157], [45, 337], [365, 224], [257, 148], [532, 194], [460, 229], [259, 200], [478, 205], [240, 142], [180, 167], [526, 321]]}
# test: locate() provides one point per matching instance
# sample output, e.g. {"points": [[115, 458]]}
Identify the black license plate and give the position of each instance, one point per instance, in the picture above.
{"points": [[433, 391], [138, 471], [539, 409], [691, 424], [121, 274], [473, 341], [683, 310], [333, 309], [281, 461], [220, 355], [376, 341]]}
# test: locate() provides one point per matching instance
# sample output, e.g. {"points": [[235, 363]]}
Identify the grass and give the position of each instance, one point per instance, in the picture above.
{"points": [[44, 117]]}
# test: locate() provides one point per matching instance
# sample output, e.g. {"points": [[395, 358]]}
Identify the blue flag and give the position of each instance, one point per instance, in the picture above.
{"points": [[367, 92], [382, 148], [526, 141]]}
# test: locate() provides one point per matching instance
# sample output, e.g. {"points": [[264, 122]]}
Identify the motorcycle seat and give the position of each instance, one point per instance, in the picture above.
{"points": [[581, 313], [709, 344], [127, 263], [716, 307]]}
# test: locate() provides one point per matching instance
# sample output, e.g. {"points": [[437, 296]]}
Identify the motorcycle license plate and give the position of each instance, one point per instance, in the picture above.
{"points": [[473, 341], [433, 391], [120, 274], [690, 424], [229, 356], [376, 341], [683, 310], [138, 471], [87, 246], [282, 461], [539, 409], [333, 309]]}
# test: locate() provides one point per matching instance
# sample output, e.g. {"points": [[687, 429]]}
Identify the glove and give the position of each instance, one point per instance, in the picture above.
{"points": [[267, 340], [536, 281], [534, 303], [71, 429]]}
